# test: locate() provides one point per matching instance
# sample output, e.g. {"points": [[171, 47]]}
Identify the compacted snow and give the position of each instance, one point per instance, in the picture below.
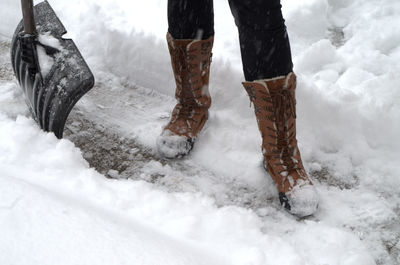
{"points": [[104, 196]]}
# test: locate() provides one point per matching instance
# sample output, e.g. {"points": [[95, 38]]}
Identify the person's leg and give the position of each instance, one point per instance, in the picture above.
{"points": [[190, 40], [190, 19], [264, 42], [271, 85]]}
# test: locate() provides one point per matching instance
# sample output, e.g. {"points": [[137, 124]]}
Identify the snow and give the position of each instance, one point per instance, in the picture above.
{"points": [[47, 39], [172, 146], [80, 208], [303, 199], [46, 62], [216, 206]]}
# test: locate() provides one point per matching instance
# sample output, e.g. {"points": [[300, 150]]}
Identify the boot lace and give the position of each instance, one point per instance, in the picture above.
{"points": [[189, 105], [284, 109]]}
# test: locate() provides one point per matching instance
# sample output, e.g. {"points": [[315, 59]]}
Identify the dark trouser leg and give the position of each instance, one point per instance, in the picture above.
{"points": [[190, 19], [264, 42]]}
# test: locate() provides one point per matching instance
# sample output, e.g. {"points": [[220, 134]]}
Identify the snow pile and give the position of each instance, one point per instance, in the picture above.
{"points": [[346, 56], [349, 103], [56, 204], [10, 15]]}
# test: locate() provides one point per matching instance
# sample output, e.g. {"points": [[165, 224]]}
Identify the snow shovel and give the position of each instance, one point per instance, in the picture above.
{"points": [[50, 70]]}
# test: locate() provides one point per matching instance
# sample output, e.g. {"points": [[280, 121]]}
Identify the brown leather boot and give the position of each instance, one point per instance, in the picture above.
{"points": [[275, 108], [190, 61]]}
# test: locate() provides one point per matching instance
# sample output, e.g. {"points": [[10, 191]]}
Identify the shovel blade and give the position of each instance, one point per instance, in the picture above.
{"points": [[61, 76]]}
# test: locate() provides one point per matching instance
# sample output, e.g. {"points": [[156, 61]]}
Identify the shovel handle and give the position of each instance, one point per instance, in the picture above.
{"points": [[27, 14]]}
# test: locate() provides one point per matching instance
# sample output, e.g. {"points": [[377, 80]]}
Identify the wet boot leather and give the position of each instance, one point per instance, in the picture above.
{"points": [[190, 61], [275, 108]]}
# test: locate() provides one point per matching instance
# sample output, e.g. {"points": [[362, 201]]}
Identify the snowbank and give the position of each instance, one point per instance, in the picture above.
{"points": [[55, 204]]}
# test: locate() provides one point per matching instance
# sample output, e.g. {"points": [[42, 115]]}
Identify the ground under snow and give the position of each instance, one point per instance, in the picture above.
{"points": [[104, 196]]}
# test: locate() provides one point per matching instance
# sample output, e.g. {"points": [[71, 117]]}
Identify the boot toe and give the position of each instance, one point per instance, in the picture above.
{"points": [[170, 145], [301, 201]]}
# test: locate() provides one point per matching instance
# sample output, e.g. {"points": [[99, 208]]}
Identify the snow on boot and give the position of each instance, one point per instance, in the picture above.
{"points": [[190, 61], [275, 108]]}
